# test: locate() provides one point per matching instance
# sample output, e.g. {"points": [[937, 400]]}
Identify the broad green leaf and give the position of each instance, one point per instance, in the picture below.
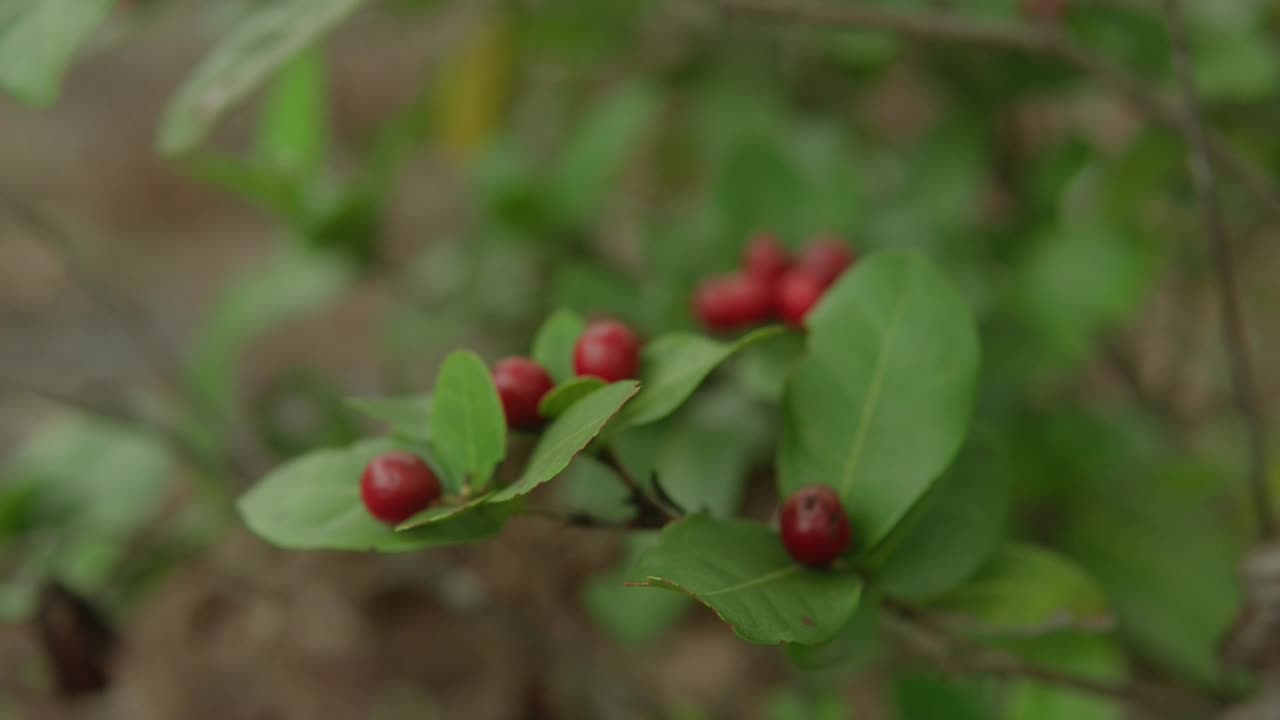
{"points": [[634, 616], [708, 449], [934, 697], [672, 367], [1024, 587], [591, 488], [950, 533], [553, 345], [469, 429], [883, 402], [567, 436], [600, 146], [1084, 656], [257, 301], [266, 188], [407, 416], [263, 41], [313, 503], [293, 130], [561, 397], [39, 39], [741, 571]]}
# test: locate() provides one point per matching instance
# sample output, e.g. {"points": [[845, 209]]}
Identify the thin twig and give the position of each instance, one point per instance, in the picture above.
{"points": [[155, 352], [1204, 178], [1037, 40]]}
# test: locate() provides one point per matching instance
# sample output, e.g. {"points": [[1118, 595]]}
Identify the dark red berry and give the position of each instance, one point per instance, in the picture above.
{"points": [[396, 486], [815, 528], [797, 293], [608, 350], [765, 259], [521, 384], [826, 258], [729, 302]]}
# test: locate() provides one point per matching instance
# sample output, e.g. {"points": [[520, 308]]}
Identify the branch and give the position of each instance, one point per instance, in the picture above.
{"points": [[1033, 40], [651, 511], [926, 639], [1204, 178]]}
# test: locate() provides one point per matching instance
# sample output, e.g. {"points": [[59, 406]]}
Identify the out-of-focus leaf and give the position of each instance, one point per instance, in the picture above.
{"points": [[293, 130], [474, 86], [791, 704], [1083, 656], [634, 616], [39, 39], [561, 397], [265, 39], [408, 416], [553, 345], [855, 646], [590, 488], [927, 697]]}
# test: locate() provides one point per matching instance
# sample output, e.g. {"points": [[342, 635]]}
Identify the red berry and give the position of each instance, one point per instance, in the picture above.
{"points": [[729, 302], [396, 486], [521, 384], [827, 258], [815, 529], [608, 350], [798, 291], [765, 258]]}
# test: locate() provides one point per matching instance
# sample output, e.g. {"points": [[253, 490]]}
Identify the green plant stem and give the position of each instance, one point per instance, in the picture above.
{"points": [[1037, 40], [1203, 163]]}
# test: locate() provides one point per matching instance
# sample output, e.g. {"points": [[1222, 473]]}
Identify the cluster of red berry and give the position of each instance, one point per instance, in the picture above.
{"points": [[396, 486], [770, 284]]}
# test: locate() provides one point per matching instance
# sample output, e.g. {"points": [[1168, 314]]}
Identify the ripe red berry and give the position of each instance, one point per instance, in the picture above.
{"points": [[797, 293], [608, 350], [827, 258], [765, 259], [396, 485], [521, 384], [815, 528], [729, 302]]}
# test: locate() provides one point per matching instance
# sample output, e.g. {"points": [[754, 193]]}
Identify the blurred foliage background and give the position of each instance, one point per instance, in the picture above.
{"points": [[187, 294]]}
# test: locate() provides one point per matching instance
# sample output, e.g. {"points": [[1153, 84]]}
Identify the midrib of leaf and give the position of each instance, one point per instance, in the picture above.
{"points": [[758, 580], [473, 430], [873, 395]]}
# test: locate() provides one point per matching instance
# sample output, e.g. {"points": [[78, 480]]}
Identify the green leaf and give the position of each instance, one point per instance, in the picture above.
{"points": [[293, 132], [553, 345], [313, 503], [633, 616], [854, 647], [445, 510], [1026, 588], [591, 488], [561, 397], [567, 436], [928, 697], [469, 429], [601, 144], [792, 704], [39, 39], [262, 42], [741, 571], [950, 533], [257, 301], [673, 366], [408, 416], [1083, 656], [883, 401]]}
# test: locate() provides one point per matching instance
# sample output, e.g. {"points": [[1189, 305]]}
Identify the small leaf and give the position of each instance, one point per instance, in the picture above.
{"points": [[448, 508], [408, 416], [469, 430], [553, 345], [1026, 588], [567, 436], [741, 571], [313, 503], [561, 397], [674, 365], [883, 401], [261, 42], [293, 131], [39, 39]]}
